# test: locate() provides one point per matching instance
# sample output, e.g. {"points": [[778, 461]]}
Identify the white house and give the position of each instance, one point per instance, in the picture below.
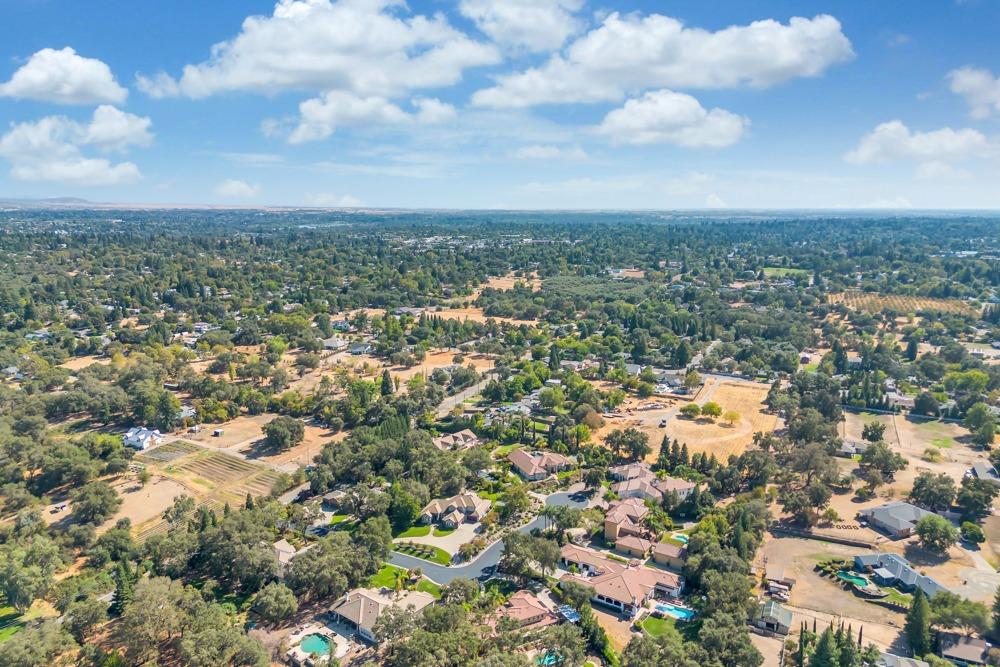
{"points": [[141, 438]]}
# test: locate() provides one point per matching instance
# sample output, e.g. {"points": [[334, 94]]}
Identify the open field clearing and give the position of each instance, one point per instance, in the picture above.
{"points": [[718, 437], [168, 452], [510, 280], [142, 504], [784, 272], [906, 304], [301, 454], [79, 363], [474, 314], [235, 432]]}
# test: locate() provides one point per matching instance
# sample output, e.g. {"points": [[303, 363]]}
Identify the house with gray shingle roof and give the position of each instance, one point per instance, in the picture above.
{"points": [[896, 519], [894, 570]]}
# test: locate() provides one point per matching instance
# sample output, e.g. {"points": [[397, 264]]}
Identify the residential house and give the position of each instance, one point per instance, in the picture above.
{"points": [[893, 570], [359, 609], [625, 588], [335, 344], [963, 650], [624, 517], [896, 519], [653, 488], [456, 510], [284, 552], [851, 448], [854, 360], [670, 555], [141, 438], [360, 348], [627, 471], [772, 617], [984, 471], [634, 546], [539, 465], [525, 609], [464, 439]]}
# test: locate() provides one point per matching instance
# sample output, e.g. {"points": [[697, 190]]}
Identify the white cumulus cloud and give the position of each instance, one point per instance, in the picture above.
{"points": [[63, 77], [232, 188], [633, 52], [321, 116], [531, 25], [979, 87], [667, 117], [895, 141], [368, 47], [51, 148]]}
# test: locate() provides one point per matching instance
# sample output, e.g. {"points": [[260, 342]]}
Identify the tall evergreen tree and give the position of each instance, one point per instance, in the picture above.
{"points": [[918, 624]]}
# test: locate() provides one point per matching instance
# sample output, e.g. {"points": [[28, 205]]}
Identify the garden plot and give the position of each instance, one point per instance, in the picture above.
{"points": [[168, 452]]}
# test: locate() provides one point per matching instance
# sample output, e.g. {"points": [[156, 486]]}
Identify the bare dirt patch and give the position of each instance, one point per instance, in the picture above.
{"points": [[79, 363], [719, 437], [141, 504]]}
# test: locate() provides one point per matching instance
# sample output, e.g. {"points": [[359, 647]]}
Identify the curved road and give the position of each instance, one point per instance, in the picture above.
{"points": [[488, 558]]}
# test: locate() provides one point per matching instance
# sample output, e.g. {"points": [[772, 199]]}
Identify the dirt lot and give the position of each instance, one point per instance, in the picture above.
{"points": [[510, 280], [236, 433], [145, 503], [475, 314], [301, 454], [78, 363], [719, 437], [811, 591]]}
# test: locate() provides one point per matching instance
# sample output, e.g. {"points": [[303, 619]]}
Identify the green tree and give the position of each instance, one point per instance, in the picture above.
{"points": [[275, 602], [918, 624], [284, 432], [936, 533], [95, 502]]}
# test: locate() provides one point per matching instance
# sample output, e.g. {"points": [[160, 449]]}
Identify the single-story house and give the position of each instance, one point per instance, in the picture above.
{"points": [[622, 587], [963, 650], [455, 510], [284, 551], [890, 660], [360, 348], [670, 555], [525, 609], [894, 570], [772, 617], [896, 519], [850, 448], [634, 546], [336, 343], [141, 438], [463, 439], [984, 471], [360, 608], [538, 465]]}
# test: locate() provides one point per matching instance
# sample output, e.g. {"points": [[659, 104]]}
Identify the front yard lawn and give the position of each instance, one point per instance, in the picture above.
{"points": [[415, 531], [424, 551], [385, 577], [441, 532]]}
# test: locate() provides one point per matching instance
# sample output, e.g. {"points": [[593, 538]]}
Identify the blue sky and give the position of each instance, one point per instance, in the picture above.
{"points": [[503, 103]]}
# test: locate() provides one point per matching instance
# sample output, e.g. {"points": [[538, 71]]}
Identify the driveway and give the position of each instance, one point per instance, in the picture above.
{"points": [[488, 558]]}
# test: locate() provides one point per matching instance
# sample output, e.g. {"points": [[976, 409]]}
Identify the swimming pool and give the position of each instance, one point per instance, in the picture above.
{"points": [[317, 644], [547, 660], [680, 537], [673, 611], [857, 580]]}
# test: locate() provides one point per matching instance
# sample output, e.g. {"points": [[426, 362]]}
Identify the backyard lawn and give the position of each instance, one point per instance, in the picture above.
{"points": [[386, 577], [656, 627]]}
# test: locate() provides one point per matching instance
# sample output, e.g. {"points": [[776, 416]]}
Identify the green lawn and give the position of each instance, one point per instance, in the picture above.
{"points": [[504, 450], [441, 532], [386, 577], [656, 627], [428, 586], [942, 443], [415, 531], [425, 552], [10, 622], [337, 518]]}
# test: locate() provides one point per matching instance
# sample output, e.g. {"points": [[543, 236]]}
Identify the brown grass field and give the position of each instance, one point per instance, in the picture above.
{"points": [[718, 437], [79, 363], [870, 302]]}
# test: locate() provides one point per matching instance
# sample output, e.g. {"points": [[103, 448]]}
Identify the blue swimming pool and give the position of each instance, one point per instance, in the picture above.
{"points": [[680, 537], [315, 644], [673, 611]]}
